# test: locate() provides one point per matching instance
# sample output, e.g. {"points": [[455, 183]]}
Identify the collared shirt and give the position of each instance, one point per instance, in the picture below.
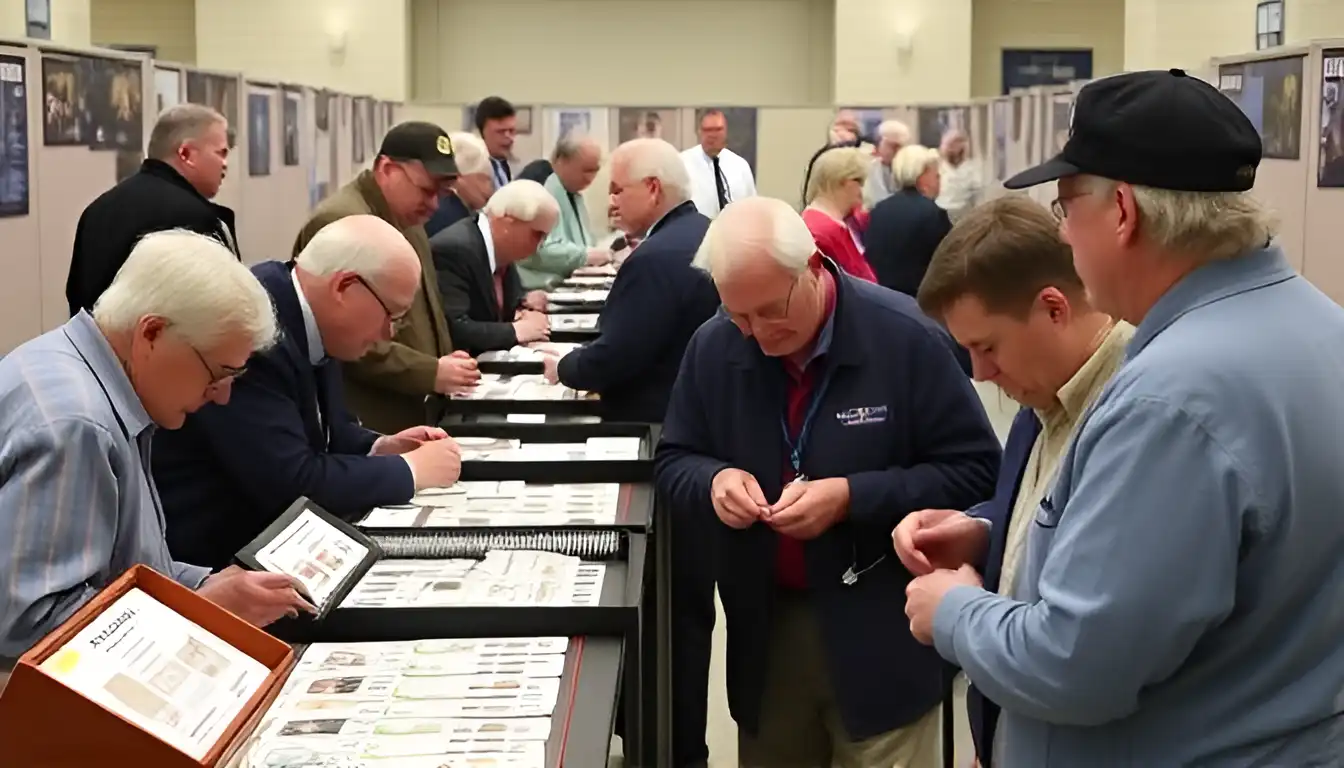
{"points": [[704, 190], [1178, 601], [77, 504], [317, 352], [1058, 425], [879, 185], [959, 187], [800, 386], [483, 223]]}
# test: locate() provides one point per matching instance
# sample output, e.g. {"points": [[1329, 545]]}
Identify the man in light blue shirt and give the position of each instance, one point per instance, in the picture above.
{"points": [[1181, 599], [78, 406]]}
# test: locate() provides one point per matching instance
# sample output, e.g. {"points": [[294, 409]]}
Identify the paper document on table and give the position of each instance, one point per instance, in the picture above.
{"points": [[577, 297], [160, 671], [315, 552]]}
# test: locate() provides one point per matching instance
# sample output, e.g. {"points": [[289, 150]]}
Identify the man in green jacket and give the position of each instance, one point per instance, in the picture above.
{"points": [[576, 161]]}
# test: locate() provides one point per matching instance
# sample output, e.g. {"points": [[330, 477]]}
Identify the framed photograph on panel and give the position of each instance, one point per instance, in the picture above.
{"points": [[1282, 108], [649, 123], [289, 131], [62, 95], [14, 141], [259, 133], [1330, 169]]}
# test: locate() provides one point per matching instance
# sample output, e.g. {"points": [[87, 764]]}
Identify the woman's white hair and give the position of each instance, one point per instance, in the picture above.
{"points": [[1209, 225], [656, 159], [753, 226], [470, 153], [911, 163], [522, 200], [894, 130], [195, 284]]}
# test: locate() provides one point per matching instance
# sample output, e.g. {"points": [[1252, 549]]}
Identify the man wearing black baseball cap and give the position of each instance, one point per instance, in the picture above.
{"points": [[1178, 603], [388, 388]]}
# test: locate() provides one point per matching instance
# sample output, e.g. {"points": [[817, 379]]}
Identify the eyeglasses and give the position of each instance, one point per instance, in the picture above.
{"points": [[397, 321], [226, 374], [771, 315], [1057, 205], [434, 188]]}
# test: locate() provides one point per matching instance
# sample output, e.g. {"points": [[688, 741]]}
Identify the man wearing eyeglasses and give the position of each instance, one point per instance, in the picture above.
{"points": [[395, 385], [234, 468], [810, 416]]}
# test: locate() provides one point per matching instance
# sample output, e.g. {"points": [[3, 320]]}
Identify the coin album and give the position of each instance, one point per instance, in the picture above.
{"points": [[503, 578], [510, 503], [577, 322], [592, 449], [529, 354], [414, 704], [521, 386]]}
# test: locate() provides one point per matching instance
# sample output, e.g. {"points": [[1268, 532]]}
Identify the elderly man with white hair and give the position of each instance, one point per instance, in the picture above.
{"points": [[812, 414], [477, 259], [473, 186], [1179, 599], [571, 244], [235, 467], [80, 405], [892, 135]]}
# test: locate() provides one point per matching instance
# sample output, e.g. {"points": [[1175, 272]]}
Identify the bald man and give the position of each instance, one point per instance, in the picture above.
{"points": [[285, 432]]}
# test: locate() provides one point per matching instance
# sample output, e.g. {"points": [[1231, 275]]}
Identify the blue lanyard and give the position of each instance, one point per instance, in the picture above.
{"points": [[796, 448]]}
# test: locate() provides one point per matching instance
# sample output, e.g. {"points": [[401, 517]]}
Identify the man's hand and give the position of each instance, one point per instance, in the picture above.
{"points": [[550, 368], [458, 372], [939, 538], [923, 595], [436, 464], [257, 597], [535, 301], [598, 257], [532, 326], [806, 509], [737, 498], [406, 440]]}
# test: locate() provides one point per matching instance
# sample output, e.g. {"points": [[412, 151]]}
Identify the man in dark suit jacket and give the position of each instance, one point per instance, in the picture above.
{"points": [[903, 232], [188, 155], [470, 190], [658, 298], [483, 298], [1004, 285], [797, 422], [285, 431]]}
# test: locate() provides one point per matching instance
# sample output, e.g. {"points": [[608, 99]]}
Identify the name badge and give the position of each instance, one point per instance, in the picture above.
{"points": [[868, 414]]}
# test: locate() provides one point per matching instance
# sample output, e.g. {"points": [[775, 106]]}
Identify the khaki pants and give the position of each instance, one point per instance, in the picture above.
{"points": [[800, 724]]}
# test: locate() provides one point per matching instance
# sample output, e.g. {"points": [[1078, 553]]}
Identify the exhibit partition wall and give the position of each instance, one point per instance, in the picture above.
{"points": [[1271, 90]]}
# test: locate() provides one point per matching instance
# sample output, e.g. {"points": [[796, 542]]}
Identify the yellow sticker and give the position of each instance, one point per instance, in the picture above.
{"points": [[445, 145], [63, 662]]}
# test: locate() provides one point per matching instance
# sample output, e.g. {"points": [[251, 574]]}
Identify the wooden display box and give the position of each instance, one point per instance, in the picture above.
{"points": [[45, 724]]}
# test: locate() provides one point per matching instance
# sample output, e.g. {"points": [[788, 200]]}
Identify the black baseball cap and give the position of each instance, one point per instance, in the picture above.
{"points": [[425, 143], [1161, 129]]}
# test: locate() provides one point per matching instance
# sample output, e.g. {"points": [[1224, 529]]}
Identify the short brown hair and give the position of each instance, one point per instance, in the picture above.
{"points": [[1004, 253]]}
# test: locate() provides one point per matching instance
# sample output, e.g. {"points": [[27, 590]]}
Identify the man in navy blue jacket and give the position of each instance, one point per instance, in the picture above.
{"points": [[284, 433], [658, 299], [810, 416]]}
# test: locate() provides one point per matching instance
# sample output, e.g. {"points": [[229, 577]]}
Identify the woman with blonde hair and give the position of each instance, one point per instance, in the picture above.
{"points": [[905, 229], [833, 209]]}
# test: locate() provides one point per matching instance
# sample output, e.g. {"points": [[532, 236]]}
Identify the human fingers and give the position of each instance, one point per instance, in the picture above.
{"points": [[737, 497], [902, 540], [730, 516], [301, 603], [792, 492], [754, 491], [267, 580], [461, 353]]}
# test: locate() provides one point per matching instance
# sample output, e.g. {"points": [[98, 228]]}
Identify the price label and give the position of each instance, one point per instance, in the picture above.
{"points": [[11, 72], [1334, 68], [1229, 82]]}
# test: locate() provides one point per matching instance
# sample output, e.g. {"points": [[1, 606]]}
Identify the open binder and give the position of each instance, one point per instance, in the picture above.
{"points": [[147, 673]]}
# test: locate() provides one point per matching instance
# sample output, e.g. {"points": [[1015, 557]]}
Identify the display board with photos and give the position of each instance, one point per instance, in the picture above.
{"points": [[1269, 92], [14, 139], [147, 665], [509, 503], [93, 101], [1330, 165], [478, 703]]}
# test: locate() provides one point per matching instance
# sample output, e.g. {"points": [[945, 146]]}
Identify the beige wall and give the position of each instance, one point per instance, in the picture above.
{"points": [[676, 52], [69, 21], [1000, 24], [290, 41], [1304, 20], [168, 25], [1187, 33], [870, 67]]}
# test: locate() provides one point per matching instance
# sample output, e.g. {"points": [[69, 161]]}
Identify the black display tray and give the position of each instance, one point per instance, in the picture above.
{"points": [[574, 308], [577, 335], [616, 615], [585, 711], [638, 470], [579, 406], [510, 367]]}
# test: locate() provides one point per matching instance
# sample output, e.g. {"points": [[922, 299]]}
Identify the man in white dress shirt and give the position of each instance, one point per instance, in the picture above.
{"points": [[718, 174]]}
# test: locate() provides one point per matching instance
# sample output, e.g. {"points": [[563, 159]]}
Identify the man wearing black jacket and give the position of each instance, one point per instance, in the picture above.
{"points": [[658, 299], [483, 298], [188, 156]]}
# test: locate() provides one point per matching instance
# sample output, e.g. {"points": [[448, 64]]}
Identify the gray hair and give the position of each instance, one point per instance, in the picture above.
{"points": [[572, 145], [195, 284], [894, 130], [179, 124], [911, 163], [1211, 225], [657, 159], [753, 225], [522, 200], [470, 153], [363, 244]]}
